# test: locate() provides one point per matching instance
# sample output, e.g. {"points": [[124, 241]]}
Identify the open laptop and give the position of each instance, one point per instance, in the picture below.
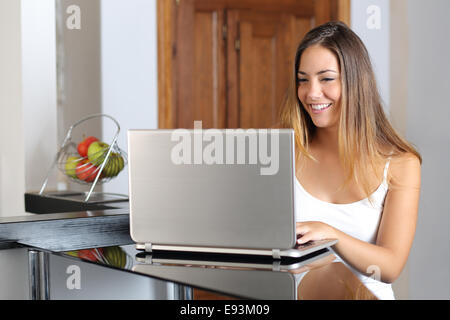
{"points": [[225, 191]]}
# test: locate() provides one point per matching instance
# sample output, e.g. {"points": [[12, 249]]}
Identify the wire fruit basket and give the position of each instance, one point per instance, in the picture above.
{"points": [[97, 165]]}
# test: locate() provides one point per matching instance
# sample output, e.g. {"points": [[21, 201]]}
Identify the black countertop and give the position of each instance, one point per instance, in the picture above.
{"points": [[230, 275], [68, 230], [316, 276]]}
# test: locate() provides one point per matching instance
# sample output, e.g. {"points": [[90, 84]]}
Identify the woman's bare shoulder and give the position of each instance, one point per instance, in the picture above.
{"points": [[405, 169]]}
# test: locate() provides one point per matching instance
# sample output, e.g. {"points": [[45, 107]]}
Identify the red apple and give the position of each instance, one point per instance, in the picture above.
{"points": [[90, 254], [84, 145], [86, 171]]}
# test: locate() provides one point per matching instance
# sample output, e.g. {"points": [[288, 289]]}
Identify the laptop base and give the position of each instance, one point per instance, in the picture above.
{"points": [[297, 252]]}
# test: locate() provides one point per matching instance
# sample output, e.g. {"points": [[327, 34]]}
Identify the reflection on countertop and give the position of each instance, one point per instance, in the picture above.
{"points": [[314, 276]]}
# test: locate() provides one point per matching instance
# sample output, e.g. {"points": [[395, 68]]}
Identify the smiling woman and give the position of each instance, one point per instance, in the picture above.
{"points": [[320, 90], [344, 146]]}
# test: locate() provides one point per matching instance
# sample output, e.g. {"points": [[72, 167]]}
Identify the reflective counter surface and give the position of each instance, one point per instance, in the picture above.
{"points": [[315, 276]]}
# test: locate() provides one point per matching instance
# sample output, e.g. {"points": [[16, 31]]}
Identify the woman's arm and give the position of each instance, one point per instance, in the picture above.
{"points": [[396, 230]]}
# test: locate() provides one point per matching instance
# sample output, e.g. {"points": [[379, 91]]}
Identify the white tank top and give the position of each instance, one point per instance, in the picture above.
{"points": [[358, 219]]}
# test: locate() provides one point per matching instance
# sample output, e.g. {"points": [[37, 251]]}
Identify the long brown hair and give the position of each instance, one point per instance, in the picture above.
{"points": [[366, 138]]}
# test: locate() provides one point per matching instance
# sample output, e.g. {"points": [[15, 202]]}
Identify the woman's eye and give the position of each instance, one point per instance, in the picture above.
{"points": [[327, 79], [301, 80]]}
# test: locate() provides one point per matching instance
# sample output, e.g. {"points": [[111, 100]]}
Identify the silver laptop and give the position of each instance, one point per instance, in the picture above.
{"points": [[218, 191]]}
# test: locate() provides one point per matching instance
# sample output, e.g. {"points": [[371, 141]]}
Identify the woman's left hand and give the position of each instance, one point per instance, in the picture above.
{"points": [[314, 230]]}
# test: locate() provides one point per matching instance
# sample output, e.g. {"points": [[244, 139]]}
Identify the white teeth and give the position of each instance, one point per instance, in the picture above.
{"points": [[320, 106]]}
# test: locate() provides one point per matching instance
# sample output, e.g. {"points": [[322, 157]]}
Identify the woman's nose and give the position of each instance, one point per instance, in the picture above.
{"points": [[314, 90]]}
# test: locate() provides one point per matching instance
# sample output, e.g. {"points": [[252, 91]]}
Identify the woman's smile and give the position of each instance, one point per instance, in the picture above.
{"points": [[319, 108]]}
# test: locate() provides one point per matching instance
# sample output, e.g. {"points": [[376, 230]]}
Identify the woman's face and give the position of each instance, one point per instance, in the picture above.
{"points": [[319, 86]]}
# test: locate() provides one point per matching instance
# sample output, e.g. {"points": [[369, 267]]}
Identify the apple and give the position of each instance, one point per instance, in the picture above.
{"points": [[121, 162], [114, 165], [71, 164], [118, 164], [115, 256], [97, 152], [111, 166], [90, 254], [84, 145], [86, 171]]}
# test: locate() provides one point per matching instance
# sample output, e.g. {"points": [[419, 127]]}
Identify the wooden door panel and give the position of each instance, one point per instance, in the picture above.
{"points": [[267, 47], [232, 69], [298, 7], [257, 73], [208, 74], [200, 84]]}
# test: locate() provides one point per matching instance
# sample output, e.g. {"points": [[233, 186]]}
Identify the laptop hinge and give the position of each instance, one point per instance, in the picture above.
{"points": [[276, 253], [147, 247], [276, 266]]}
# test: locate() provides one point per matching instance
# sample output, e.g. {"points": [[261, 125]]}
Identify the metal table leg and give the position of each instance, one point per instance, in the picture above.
{"points": [[38, 274], [182, 292]]}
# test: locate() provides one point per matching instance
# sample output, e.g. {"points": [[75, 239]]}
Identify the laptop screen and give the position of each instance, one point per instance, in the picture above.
{"points": [[219, 188]]}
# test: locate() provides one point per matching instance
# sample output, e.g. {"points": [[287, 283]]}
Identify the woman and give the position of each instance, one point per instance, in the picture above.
{"points": [[358, 181]]}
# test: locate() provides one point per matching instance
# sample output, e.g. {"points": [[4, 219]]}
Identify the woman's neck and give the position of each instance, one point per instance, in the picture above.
{"points": [[326, 139]]}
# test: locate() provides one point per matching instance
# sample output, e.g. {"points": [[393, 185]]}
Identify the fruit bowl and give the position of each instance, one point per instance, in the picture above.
{"points": [[84, 170], [91, 161]]}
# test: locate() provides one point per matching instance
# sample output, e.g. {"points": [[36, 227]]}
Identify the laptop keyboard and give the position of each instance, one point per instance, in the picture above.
{"points": [[305, 245], [309, 244]]}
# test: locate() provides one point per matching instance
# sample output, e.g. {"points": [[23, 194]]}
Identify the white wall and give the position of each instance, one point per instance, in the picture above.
{"points": [[79, 74], [12, 145], [370, 19], [427, 126], [129, 72], [13, 263], [423, 117], [364, 21], [39, 90]]}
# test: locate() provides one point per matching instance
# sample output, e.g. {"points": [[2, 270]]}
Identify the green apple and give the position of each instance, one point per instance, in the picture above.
{"points": [[116, 165], [121, 162], [109, 167], [71, 164], [97, 152], [115, 256]]}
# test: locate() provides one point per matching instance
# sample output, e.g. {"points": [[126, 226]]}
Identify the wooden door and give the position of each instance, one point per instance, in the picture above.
{"points": [[228, 62], [200, 68], [264, 48]]}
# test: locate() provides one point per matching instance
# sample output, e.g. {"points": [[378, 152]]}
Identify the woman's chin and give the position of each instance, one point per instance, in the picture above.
{"points": [[323, 124]]}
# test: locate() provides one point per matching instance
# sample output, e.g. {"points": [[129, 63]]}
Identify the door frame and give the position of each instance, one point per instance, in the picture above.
{"points": [[166, 21]]}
